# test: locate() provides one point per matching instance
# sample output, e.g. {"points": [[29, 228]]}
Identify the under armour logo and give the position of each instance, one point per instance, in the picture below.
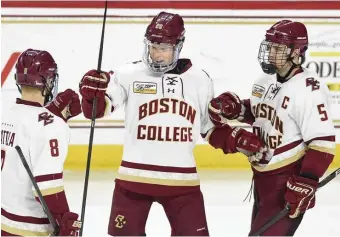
{"points": [[171, 81]]}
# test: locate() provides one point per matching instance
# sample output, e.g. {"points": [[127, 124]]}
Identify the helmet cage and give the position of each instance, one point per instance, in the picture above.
{"points": [[273, 56], [158, 67], [50, 90]]}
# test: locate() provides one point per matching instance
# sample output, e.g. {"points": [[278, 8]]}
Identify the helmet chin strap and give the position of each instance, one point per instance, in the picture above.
{"points": [[285, 78]]}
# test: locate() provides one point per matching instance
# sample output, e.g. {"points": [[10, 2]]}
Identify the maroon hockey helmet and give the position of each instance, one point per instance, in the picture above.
{"points": [[36, 68], [166, 30], [284, 36]]}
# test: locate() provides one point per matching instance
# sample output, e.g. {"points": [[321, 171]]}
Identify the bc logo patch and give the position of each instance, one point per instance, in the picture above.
{"points": [[144, 87], [257, 91], [120, 221]]}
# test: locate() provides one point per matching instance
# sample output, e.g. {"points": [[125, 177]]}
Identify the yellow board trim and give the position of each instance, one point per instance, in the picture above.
{"points": [[334, 87], [324, 54], [21, 232], [108, 157]]}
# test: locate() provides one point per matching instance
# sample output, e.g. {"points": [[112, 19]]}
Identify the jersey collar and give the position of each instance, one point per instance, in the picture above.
{"points": [[26, 102]]}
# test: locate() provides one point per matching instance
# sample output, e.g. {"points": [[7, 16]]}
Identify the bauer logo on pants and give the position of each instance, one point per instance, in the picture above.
{"points": [[144, 87]]}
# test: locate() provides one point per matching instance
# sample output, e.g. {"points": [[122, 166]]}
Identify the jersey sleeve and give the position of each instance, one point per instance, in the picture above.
{"points": [[48, 153], [312, 115], [117, 93], [207, 94]]}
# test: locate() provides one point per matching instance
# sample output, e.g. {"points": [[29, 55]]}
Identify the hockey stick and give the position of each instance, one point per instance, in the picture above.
{"points": [[42, 200], [93, 121], [286, 210]]}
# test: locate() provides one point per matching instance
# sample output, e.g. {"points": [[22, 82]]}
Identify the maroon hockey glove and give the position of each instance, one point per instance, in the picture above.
{"points": [[226, 106], [94, 84], [245, 142], [68, 99], [68, 224], [300, 194]]}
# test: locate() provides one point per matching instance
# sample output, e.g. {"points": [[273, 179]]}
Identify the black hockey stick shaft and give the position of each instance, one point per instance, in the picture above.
{"points": [[42, 200], [285, 211], [93, 121]]}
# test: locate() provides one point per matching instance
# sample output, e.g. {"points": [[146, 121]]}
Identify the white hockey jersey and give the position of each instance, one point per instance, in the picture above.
{"points": [[291, 117], [44, 140], [164, 117]]}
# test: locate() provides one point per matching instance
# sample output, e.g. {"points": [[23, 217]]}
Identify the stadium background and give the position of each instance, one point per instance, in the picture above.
{"points": [[222, 36]]}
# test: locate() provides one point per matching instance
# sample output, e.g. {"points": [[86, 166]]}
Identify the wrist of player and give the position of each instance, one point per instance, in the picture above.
{"points": [[57, 111]]}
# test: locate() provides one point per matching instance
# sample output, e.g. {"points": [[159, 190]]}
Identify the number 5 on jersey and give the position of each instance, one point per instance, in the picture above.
{"points": [[322, 112]]}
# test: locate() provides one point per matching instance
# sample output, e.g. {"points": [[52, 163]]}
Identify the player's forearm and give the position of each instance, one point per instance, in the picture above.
{"points": [[248, 117], [318, 157]]}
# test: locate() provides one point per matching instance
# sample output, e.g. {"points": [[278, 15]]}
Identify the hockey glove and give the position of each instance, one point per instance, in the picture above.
{"points": [[226, 106], [68, 224], [300, 194], [66, 105], [246, 142], [94, 84]]}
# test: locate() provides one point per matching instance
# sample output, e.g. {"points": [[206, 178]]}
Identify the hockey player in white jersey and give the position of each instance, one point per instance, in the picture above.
{"points": [[166, 110], [43, 138], [288, 108]]}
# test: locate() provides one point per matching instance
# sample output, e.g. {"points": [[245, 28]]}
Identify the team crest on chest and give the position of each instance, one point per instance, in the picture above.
{"points": [[144, 87]]}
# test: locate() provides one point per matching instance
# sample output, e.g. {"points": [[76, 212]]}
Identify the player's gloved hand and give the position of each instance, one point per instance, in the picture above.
{"points": [[66, 105], [94, 84], [68, 224], [246, 142], [226, 106], [300, 194]]}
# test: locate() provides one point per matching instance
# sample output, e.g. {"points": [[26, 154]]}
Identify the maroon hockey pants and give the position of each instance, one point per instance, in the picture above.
{"points": [[130, 210], [269, 191], [4, 233]]}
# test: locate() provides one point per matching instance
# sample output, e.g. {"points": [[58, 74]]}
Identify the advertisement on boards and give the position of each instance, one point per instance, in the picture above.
{"points": [[324, 58]]}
